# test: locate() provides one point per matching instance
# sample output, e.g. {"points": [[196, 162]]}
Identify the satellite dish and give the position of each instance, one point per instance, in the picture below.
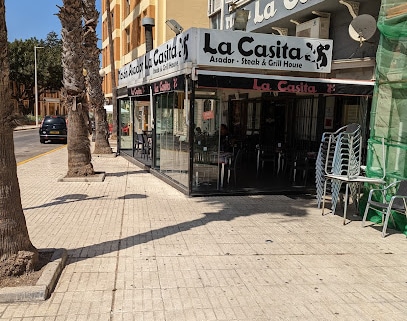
{"points": [[362, 28], [174, 26]]}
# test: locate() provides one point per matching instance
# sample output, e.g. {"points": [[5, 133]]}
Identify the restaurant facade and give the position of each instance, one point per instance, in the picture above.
{"points": [[229, 112]]}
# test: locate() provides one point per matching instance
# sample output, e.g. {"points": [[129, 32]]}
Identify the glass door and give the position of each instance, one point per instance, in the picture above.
{"points": [[206, 145], [125, 123], [172, 140]]}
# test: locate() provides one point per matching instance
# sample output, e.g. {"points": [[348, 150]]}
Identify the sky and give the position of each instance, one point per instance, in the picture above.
{"points": [[35, 18]]}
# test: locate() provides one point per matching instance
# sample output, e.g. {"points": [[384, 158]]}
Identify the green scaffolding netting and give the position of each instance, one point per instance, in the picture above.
{"points": [[389, 105], [392, 21]]}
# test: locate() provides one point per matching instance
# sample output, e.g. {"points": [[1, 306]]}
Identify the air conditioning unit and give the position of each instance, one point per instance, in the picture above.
{"points": [[315, 28]]}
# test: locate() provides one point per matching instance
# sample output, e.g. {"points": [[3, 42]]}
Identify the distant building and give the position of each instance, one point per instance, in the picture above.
{"points": [[49, 103]]}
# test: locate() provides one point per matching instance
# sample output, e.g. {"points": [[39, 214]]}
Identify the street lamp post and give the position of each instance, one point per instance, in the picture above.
{"points": [[36, 86]]}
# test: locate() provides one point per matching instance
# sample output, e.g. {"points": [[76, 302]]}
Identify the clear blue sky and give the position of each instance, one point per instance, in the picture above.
{"points": [[35, 18]]}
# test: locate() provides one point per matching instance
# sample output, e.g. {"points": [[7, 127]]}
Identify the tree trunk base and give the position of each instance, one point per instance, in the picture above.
{"points": [[81, 171], [18, 264], [102, 150]]}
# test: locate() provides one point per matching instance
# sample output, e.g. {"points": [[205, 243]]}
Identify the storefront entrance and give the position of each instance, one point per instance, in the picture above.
{"points": [[235, 143], [267, 143], [228, 114], [249, 144]]}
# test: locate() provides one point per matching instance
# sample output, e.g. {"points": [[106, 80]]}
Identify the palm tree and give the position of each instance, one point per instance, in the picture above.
{"points": [[17, 253], [93, 78], [74, 95], [112, 67]]}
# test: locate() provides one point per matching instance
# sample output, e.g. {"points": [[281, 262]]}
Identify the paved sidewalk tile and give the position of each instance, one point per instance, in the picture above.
{"points": [[140, 250]]}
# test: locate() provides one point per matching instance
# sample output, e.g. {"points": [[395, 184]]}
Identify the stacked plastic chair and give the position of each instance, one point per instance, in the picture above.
{"points": [[345, 167], [324, 162], [346, 162]]}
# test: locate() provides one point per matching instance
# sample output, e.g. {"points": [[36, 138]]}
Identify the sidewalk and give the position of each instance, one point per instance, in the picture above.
{"points": [[24, 127], [140, 250]]}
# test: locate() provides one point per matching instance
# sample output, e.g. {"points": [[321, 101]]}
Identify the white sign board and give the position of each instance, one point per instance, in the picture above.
{"points": [[240, 49], [167, 58], [232, 49]]}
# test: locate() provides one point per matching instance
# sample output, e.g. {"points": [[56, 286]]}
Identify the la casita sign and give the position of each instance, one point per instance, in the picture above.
{"points": [[275, 83], [294, 87], [262, 51], [230, 49]]}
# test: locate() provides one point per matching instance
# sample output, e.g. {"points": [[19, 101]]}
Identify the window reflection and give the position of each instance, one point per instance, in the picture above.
{"points": [[172, 150], [125, 121]]}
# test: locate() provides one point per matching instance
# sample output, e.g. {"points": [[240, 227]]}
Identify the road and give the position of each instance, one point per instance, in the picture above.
{"points": [[27, 145]]}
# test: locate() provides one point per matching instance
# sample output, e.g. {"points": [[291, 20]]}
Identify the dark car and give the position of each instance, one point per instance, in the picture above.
{"points": [[54, 129]]}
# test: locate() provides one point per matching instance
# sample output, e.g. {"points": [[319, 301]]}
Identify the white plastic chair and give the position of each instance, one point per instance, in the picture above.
{"points": [[397, 203], [324, 161], [345, 163], [351, 177]]}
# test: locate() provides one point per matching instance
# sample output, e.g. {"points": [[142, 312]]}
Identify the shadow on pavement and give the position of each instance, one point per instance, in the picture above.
{"points": [[70, 198], [230, 212]]}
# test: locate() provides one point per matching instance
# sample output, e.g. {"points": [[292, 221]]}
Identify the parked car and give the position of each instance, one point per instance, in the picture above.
{"points": [[54, 129]]}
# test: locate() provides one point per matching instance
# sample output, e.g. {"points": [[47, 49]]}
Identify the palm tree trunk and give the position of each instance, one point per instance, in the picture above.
{"points": [[17, 254], [79, 155], [93, 78], [112, 68]]}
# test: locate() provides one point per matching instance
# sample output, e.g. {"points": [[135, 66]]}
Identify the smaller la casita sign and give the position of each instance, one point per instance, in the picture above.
{"points": [[264, 51], [167, 58]]}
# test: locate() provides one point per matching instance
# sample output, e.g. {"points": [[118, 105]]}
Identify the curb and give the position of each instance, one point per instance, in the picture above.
{"points": [[45, 284], [98, 177], [111, 155]]}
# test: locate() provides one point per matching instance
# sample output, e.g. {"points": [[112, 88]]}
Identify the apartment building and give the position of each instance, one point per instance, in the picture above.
{"points": [[49, 102], [128, 33]]}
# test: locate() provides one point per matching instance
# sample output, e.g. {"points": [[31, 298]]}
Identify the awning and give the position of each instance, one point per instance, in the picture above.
{"points": [[142, 92], [169, 84], [275, 83]]}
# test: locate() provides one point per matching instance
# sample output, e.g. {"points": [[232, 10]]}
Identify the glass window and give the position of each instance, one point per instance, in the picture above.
{"points": [[172, 141], [206, 145], [127, 31], [127, 8], [125, 121], [306, 115], [253, 117], [215, 21]]}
